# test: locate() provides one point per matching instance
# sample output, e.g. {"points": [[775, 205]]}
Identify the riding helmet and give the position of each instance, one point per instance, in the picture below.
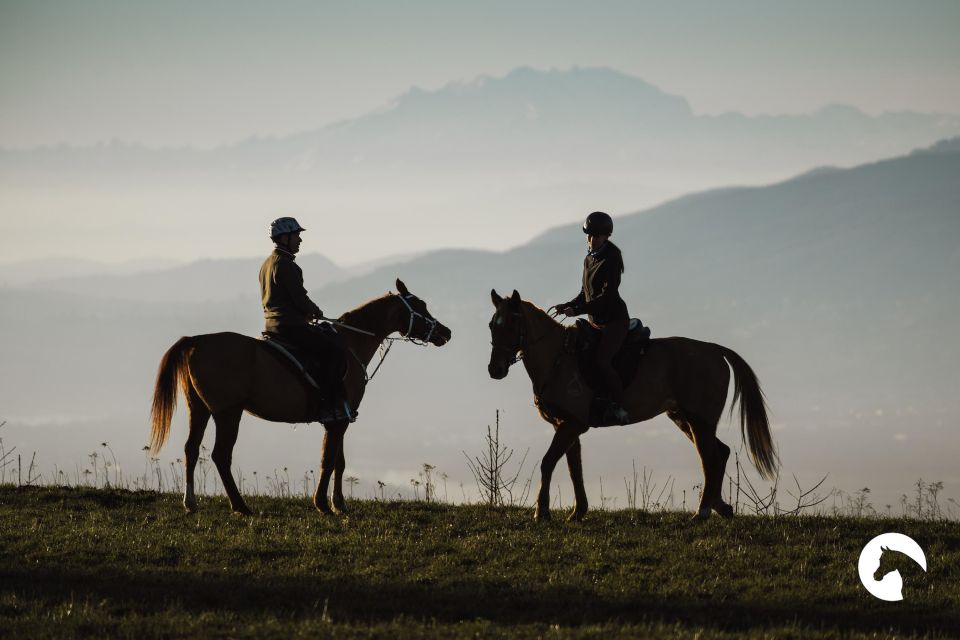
{"points": [[598, 224], [284, 225]]}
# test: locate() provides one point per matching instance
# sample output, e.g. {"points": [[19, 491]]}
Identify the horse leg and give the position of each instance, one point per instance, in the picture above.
{"points": [[199, 416], [228, 425], [713, 463], [682, 423], [719, 468], [690, 430], [339, 504], [723, 454], [563, 438], [575, 466], [332, 441]]}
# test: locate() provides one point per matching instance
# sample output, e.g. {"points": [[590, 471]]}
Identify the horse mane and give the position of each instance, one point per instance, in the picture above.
{"points": [[537, 311], [367, 311]]}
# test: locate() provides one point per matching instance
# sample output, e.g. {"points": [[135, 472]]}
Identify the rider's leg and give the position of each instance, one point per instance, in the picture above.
{"points": [[313, 342], [611, 340], [334, 353]]}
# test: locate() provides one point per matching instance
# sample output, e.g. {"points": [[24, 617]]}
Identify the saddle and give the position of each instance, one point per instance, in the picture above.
{"points": [[296, 358], [313, 370], [586, 339]]}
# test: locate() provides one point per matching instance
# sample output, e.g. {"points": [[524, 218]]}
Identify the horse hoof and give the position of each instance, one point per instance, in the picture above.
{"points": [[340, 511], [724, 510], [541, 516], [189, 508], [576, 516], [242, 511]]}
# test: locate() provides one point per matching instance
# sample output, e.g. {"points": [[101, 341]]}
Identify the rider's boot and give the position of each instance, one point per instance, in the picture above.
{"points": [[337, 411], [335, 407]]}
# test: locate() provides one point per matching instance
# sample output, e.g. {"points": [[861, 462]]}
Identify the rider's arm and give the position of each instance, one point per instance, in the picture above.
{"points": [[575, 305], [609, 290]]}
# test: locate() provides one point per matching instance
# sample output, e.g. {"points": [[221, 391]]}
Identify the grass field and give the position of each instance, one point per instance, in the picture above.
{"points": [[94, 562]]}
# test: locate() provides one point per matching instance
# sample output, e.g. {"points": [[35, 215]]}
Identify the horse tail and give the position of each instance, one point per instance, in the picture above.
{"points": [[754, 426], [170, 376]]}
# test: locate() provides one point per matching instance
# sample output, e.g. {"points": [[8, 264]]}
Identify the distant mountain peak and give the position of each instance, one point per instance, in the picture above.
{"points": [[577, 89], [947, 145]]}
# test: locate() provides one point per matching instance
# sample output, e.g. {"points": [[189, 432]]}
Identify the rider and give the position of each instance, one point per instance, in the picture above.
{"points": [[599, 297], [288, 311]]}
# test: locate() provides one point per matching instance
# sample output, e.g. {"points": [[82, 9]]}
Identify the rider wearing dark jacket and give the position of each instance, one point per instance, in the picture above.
{"points": [[600, 298], [288, 310], [285, 300]]}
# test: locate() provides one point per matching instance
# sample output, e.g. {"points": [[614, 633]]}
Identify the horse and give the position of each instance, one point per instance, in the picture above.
{"points": [[687, 379], [224, 374]]}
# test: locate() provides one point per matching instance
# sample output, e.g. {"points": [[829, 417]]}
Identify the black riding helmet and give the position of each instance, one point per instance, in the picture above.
{"points": [[598, 224]]}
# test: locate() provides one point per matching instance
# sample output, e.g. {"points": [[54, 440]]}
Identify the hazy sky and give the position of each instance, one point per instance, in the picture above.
{"points": [[173, 72]]}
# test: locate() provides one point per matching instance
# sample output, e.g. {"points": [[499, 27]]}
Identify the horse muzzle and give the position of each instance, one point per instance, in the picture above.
{"points": [[441, 336], [497, 370]]}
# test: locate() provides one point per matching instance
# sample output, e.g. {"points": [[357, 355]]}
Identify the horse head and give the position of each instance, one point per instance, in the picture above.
{"points": [[506, 334], [886, 563], [418, 323]]}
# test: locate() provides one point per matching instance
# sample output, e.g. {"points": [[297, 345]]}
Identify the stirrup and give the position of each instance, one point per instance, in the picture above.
{"points": [[340, 413], [349, 413]]}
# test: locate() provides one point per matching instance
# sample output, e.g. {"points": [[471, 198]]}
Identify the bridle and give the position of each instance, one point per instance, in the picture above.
{"points": [[517, 349], [520, 346], [429, 323]]}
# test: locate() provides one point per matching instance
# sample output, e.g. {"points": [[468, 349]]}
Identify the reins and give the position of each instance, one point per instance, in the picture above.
{"points": [[431, 323], [346, 326]]}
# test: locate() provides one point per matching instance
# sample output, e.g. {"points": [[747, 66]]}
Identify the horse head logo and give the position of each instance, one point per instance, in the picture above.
{"points": [[879, 561]]}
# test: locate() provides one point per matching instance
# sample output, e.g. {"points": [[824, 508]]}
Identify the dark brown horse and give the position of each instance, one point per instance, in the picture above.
{"points": [[685, 378], [224, 374]]}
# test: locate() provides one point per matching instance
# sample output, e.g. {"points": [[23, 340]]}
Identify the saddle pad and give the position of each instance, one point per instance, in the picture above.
{"points": [[286, 351]]}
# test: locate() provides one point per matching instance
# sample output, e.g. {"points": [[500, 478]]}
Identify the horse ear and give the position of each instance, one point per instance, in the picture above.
{"points": [[515, 300], [402, 288], [495, 297]]}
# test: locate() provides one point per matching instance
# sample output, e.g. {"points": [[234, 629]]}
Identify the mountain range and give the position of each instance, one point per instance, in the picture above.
{"points": [[488, 164], [838, 286]]}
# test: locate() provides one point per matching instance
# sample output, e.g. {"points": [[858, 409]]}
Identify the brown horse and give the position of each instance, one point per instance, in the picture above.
{"points": [[685, 378], [224, 374]]}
